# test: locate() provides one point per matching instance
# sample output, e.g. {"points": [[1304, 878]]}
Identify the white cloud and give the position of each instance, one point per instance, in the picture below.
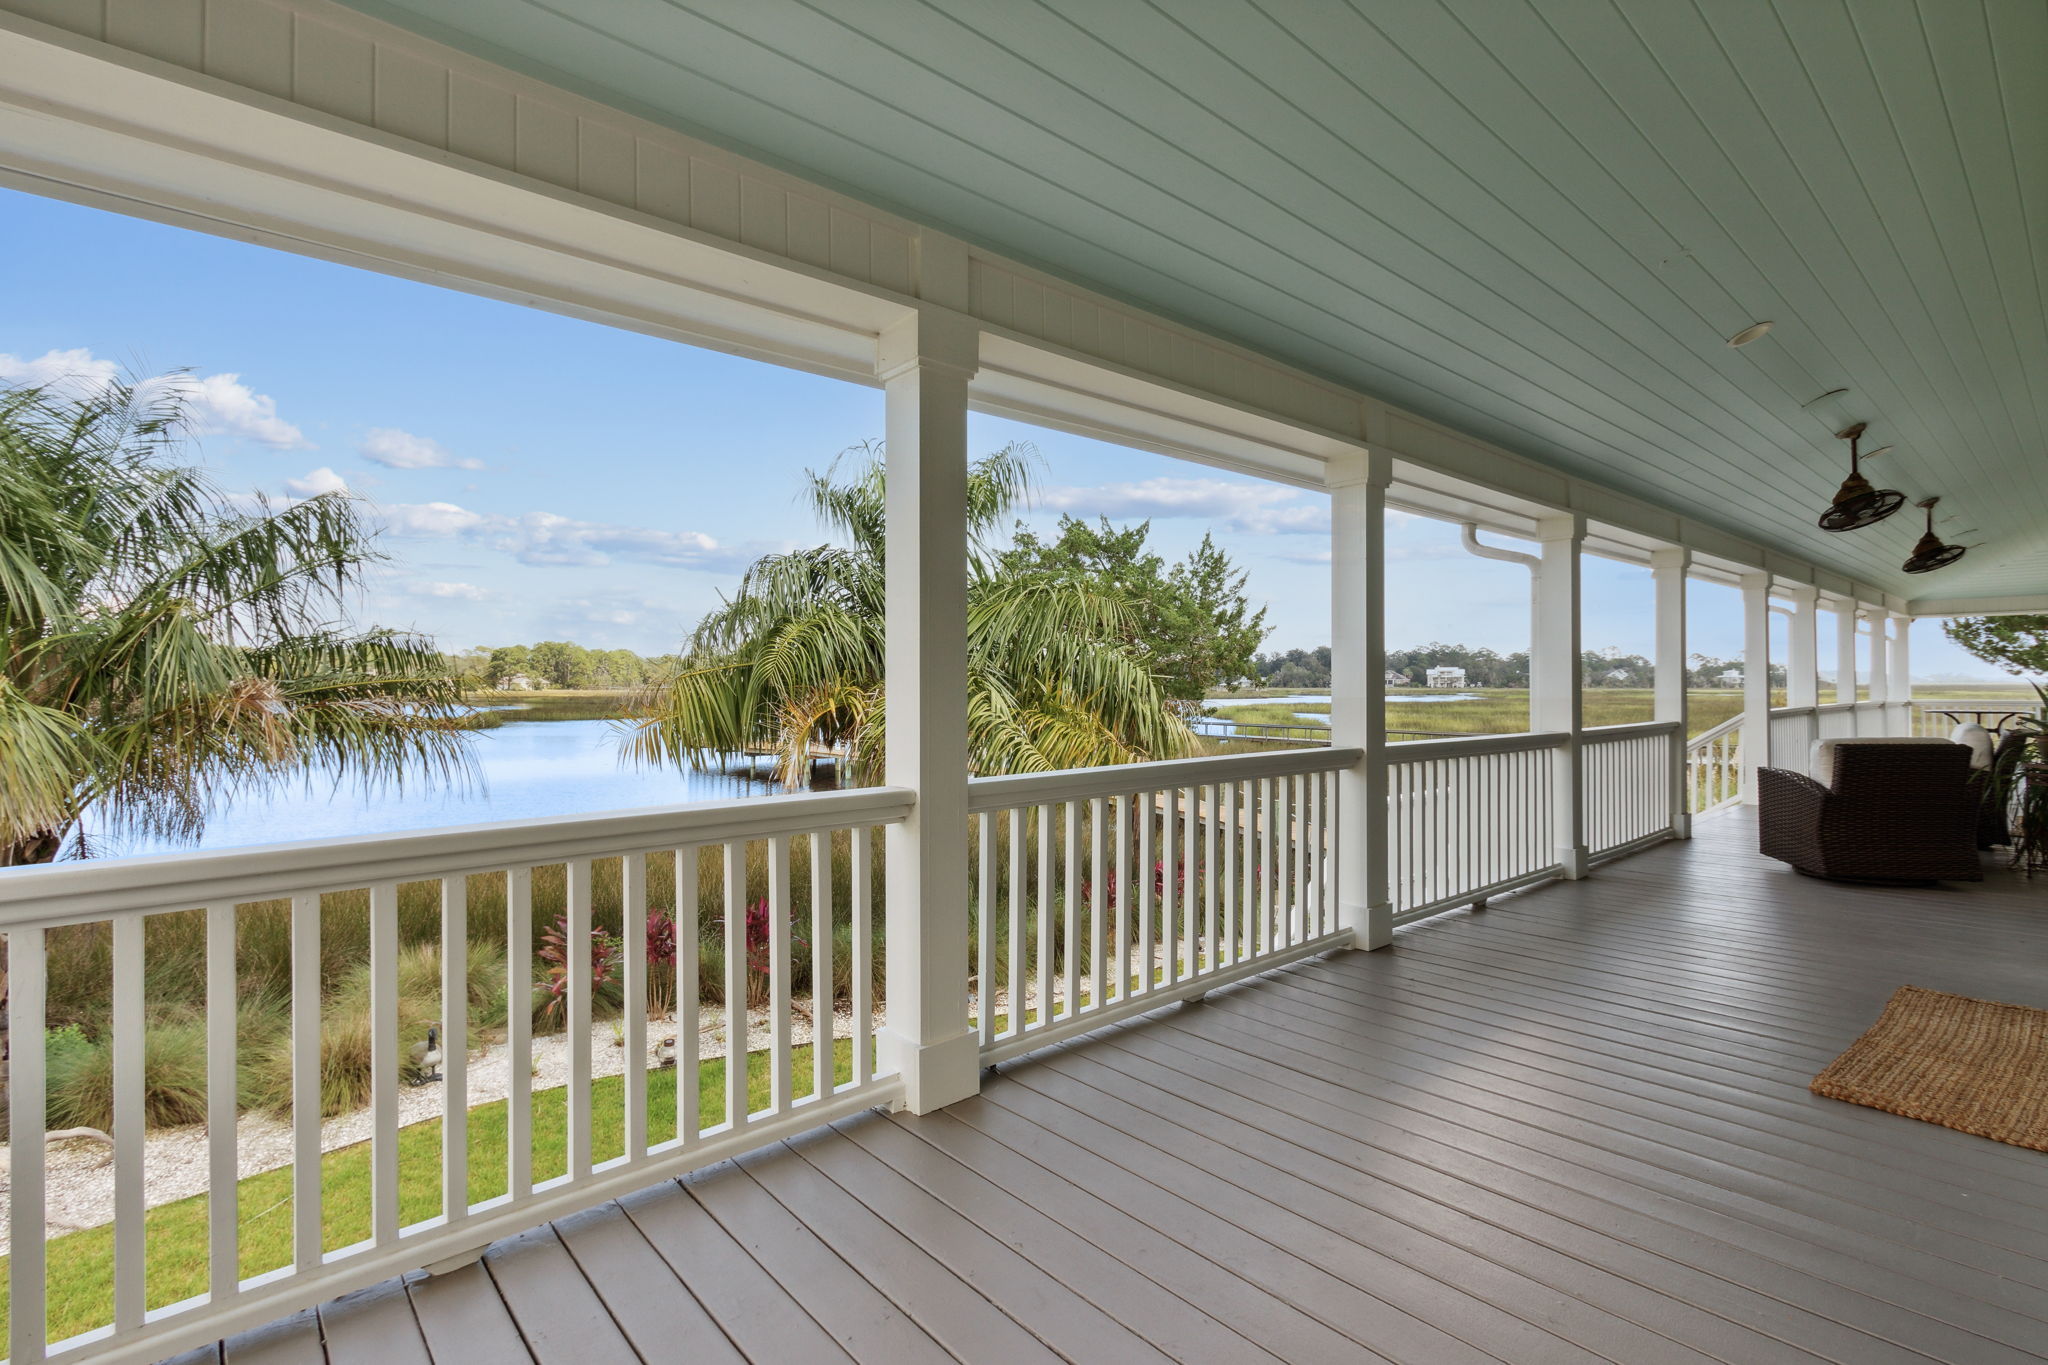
{"points": [[1255, 508], [465, 592], [223, 403], [397, 449], [431, 519], [548, 538], [316, 482], [215, 404], [76, 373]]}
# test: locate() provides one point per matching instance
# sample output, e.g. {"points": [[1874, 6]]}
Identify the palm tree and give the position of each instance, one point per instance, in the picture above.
{"points": [[165, 649], [794, 658]]}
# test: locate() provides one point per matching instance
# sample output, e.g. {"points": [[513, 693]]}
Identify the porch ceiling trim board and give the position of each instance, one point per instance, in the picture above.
{"points": [[311, 127]]}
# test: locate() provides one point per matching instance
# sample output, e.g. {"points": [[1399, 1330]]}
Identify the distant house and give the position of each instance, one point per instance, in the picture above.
{"points": [[517, 682], [1445, 676], [1615, 677], [1731, 678], [1396, 678]]}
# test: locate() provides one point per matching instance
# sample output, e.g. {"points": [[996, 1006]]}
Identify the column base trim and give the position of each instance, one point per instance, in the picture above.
{"points": [[934, 1074]]}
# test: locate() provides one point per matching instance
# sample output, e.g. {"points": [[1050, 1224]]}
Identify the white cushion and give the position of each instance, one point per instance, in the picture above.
{"points": [[1979, 741], [1822, 766]]}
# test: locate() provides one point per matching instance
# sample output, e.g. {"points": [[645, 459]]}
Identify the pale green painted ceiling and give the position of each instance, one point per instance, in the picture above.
{"points": [[1532, 221]]}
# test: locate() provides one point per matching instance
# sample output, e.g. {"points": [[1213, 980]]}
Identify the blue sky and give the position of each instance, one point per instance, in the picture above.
{"points": [[540, 477]]}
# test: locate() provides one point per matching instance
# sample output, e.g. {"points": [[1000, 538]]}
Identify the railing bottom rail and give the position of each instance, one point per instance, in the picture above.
{"points": [[1116, 1011]]}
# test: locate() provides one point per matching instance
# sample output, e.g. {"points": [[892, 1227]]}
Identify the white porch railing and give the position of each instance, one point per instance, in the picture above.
{"points": [[1936, 717], [1109, 891], [1469, 818], [1628, 785], [360, 881], [1836, 720], [1099, 894], [1713, 766]]}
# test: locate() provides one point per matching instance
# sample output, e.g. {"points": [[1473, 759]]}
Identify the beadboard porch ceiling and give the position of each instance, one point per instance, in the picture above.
{"points": [[1536, 223]]}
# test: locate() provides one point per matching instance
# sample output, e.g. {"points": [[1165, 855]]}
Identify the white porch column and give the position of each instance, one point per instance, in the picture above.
{"points": [[1756, 680], [1802, 672], [1358, 689], [1899, 664], [925, 363], [1845, 650], [1556, 697], [1668, 570], [1879, 720], [1802, 648]]}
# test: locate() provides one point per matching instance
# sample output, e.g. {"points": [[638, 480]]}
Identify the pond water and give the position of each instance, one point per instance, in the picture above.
{"points": [[529, 769]]}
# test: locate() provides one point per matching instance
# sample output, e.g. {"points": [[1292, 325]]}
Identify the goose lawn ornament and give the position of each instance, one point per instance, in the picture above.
{"points": [[424, 1059]]}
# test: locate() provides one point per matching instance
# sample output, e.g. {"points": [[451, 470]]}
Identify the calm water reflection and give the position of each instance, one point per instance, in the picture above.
{"points": [[530, 769]]}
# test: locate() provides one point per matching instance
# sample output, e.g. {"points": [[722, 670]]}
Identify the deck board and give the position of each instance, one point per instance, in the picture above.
{"points": [[1571, 1127]]}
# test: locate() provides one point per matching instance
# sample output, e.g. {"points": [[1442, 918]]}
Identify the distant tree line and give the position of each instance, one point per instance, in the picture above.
{"points": [[1486, 668], [559, 663]]}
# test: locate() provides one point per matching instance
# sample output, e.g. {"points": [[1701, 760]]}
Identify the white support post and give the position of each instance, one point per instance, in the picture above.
{"points": [[1880, 674], [1358, 690], [925, 363], [1802, 669], [1556, 696], [1756, 680], [1845, 650], [1672, 704], [1899, 664], [1802, 648]]}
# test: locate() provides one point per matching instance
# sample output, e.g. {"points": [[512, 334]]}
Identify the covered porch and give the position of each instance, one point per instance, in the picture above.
{"points": [[1111, 1083], [1571, 1126]]}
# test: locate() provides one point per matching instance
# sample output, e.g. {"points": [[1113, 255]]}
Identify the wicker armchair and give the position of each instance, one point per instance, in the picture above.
{"points": [[1896, 811]]}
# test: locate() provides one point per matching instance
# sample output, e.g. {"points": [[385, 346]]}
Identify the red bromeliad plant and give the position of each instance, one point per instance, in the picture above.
{"points": [[661, 952], [554, 951], [759, 928]]}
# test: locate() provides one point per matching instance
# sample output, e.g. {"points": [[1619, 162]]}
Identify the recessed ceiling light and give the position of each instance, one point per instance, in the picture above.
{"points": [[1749, 333]]}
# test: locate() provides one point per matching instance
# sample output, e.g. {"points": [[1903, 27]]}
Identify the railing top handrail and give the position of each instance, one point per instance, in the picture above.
{"points": [[1607, 734], [1793, 710], [166, 881], [1074, 784], [1714, 732], [1419, 750], [1974, 704]]}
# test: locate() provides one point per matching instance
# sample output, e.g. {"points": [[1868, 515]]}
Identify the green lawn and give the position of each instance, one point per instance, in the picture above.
{"points": [[81, 1264]]}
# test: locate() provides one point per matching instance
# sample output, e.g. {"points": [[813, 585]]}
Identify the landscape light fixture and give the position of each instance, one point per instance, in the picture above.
{"points": [[1750, 333], [1929, 552], [1856, 503]]}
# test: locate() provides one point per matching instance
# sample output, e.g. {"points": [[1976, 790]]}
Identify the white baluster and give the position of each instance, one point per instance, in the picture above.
{"points": [[130, 1208], [454, 1047], [824, 994], [386, 1047], [689, 994], [519, 1031], [27, 988]]}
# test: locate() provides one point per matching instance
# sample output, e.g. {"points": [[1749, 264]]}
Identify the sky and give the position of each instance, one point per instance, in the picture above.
{"points": [[542, 477]]}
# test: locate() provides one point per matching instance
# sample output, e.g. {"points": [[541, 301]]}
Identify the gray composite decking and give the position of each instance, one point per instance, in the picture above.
{"points": [[1571, 1127]]}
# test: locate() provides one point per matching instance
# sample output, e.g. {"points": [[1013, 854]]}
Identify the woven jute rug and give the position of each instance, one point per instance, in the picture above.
{"points": [[1973, 1065]]}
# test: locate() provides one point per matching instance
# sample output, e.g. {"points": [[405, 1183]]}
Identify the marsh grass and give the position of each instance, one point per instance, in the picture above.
{"points": [[1503, 711], [556, 704]]}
